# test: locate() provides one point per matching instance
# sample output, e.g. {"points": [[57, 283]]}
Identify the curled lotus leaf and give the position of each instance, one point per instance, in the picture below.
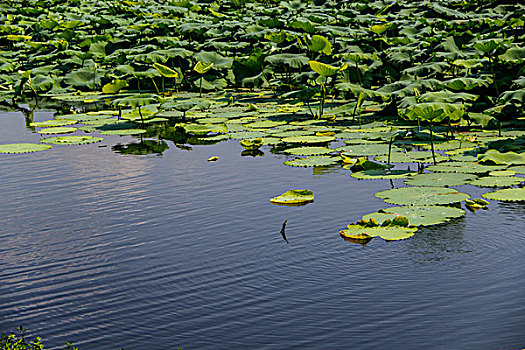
{"points": [[424, 215], [326, 70], [308, 139], [422, 196], [294, 197], [23, 147], [493, 156], [53, 123], [507, 195], [57, 130], [388, 233], [309, 151], [497, 181], [465, 167], [312, 161], [165, 71], [440, 179], [382, 174], [71, 140], [252, 144]]}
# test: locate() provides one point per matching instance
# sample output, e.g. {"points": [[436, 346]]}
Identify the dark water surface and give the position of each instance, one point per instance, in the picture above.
{"points": [[109, 251]]}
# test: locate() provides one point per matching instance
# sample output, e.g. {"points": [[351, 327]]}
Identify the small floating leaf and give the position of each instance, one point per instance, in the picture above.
{"points": [[388, 233], [296, 196], [252, 144], [507, 195], [498, 181], [53, 123], [422, 196], [440, 179], [312, 161], [57, 130], [71, 140], [23, 147], [382, 174], [308, 139], [424, 215], [309, 151], [213, 159]]}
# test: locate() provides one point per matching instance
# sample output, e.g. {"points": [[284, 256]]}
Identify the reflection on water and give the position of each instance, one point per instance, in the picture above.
{"points": [[98, 248]]}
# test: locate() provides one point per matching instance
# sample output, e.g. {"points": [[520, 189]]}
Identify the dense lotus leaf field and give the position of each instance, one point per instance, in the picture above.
{"points": [[431, 92]]}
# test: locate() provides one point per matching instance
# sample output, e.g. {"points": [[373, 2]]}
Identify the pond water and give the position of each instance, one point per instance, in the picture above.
{"points": [[146, 252]]}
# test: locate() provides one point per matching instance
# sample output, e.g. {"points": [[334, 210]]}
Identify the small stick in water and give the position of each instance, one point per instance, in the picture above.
{"points": [[282, 231]]}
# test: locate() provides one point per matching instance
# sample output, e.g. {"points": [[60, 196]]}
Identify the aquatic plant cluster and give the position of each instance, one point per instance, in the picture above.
{"points": [[367, 86]]}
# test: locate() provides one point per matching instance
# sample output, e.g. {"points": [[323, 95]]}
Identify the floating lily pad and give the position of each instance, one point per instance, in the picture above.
{"points": [[53, 123], [23, 147], [425, 215], [498, 181], [294, 197], [373, 149], [465, 167], [507, 195], [246, 135], [252, 144], [312, 161], [264, 124], [518, 169], [71, 140], [83, 116], [422, 196], [309, 151], [57, 130], [390, 233], [382, 174], [450, 145], [123, 132], [502, 173], [308, 139], [204, 129], [440, 179]]}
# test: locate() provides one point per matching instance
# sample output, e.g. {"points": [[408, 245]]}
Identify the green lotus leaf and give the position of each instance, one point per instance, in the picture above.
{"points": [[81, 117], [326, 70], [53, 123], [498, 181], [165, 71], [264, 124], [518, 169], [135, 101], [83, 77], [410, 157], [204, 129], [203, 67], [380, 28], [319, 43], [389, 233], [367, 149], [424, 215], [57, 130], [246, 135], [71, 140], [440, 179], [382, 174], [123, 132], [312, 161], [422, 196], [309, 151], [507, 195], [292, 60], [493, 156], [308, 139], [212, 120], [502, 173], [294, 197], [363, 163], [115, 86], [23, 147], [252, 144], [465, 167]]}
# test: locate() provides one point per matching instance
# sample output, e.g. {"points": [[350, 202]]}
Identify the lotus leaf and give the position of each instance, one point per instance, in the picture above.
{"points": [[422, 196], [364, 164], [465, 167], [308, 139], [423, 215], [309, 151], [123, 132], [71, 140], [498, 181], [165, 71], [246, 135], [389, 233], [57, 130], [204, 129], [213, 159], [326, 70], [203, 67], [312, 161], [367, 149], [493, 156], [507, 195], [264, 124], [252, 144], [502, 173], [518, 169], [294, 197], [53, 123], [440, 179], [23, 147], [382, 174]]}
